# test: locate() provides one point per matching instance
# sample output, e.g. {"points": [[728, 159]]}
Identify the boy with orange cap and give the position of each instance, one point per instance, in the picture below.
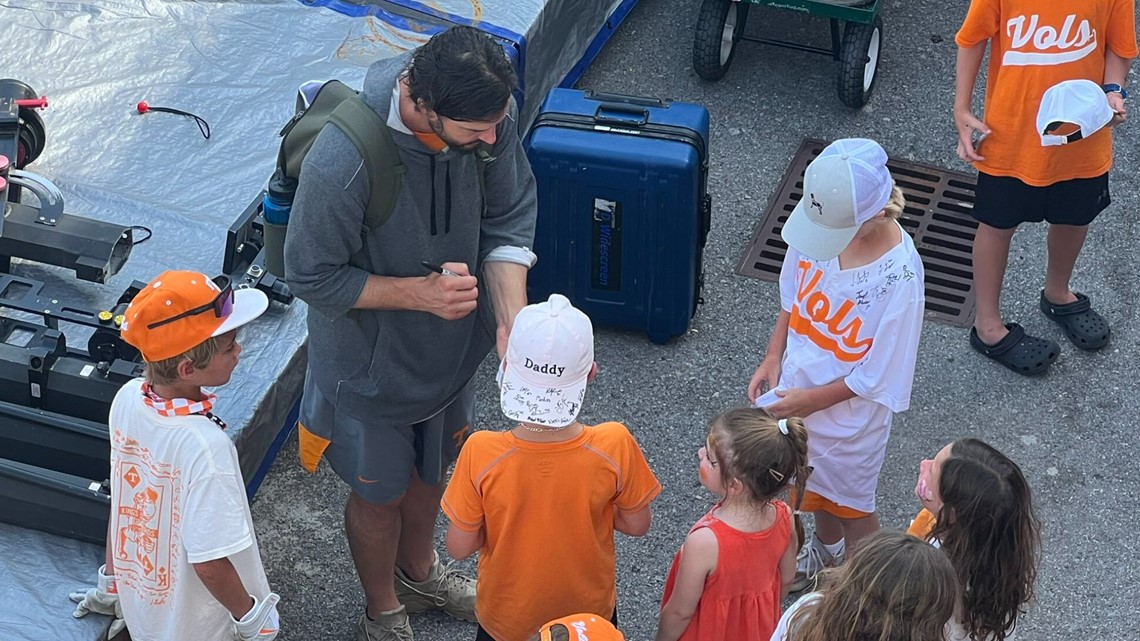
{"points": [[182, 559]]}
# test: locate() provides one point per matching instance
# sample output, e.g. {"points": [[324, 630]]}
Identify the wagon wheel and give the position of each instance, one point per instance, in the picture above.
{"points": [[859, 61], [720, 26]]}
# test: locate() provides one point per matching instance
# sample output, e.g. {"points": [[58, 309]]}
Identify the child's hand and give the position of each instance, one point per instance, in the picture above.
{"points": [[261, 623], [793, 402], [102, 599], [1116, 101], [967, 123], [765, 378]]}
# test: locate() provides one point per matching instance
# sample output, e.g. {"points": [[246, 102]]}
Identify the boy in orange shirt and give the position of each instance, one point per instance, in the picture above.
{"points": [[509, 489], [1036, 45]]}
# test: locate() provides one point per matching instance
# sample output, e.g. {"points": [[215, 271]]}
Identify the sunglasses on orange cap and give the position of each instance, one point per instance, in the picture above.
{"points": [[222, 304]]}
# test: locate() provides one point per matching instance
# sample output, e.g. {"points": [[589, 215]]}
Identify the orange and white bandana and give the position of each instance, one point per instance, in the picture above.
{"points": [[181, 406]]}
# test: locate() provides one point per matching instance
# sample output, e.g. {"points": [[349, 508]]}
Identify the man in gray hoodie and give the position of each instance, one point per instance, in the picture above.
{"points": [[393, 347]]}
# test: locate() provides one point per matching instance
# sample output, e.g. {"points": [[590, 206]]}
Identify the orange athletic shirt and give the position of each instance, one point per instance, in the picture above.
{"points": [[548, 514], [922, 524], [1035, 45]]}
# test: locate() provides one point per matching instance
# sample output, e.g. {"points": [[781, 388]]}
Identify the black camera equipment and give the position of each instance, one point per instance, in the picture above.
{"points": [[42, 232], [55, 399], [244, 258]]}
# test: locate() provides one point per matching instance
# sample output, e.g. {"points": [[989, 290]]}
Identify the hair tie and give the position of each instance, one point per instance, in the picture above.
{"points": [[783, 425]]}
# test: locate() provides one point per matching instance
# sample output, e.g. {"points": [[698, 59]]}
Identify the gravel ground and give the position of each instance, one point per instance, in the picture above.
{"points": [[1072, 430]]}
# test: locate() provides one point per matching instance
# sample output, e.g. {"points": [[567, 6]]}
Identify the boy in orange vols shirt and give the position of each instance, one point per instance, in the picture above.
{"points": [[1021, 178], [509, 487]]}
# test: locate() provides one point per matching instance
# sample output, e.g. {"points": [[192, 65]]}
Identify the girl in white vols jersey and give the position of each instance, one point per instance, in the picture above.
{"points": [[842, 353]]}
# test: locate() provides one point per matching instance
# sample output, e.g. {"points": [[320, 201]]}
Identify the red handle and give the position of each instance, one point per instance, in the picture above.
{"points": [[33, 103]]}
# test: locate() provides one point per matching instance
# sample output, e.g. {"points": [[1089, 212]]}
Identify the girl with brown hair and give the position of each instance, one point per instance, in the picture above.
{"points": [[893, 588], [737, 563], [978, 508]]}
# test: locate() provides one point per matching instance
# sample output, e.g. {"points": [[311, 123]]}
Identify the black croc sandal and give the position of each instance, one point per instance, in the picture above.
{"points": [[1085, 328], [1027, 355]]}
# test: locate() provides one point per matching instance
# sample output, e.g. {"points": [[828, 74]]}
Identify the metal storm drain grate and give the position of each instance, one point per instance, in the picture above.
{"points": [[937, 216]]}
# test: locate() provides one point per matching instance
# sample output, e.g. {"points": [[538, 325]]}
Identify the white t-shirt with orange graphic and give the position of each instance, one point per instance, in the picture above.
{"points": [[861, 325], [177, 498], [1035, 45]]}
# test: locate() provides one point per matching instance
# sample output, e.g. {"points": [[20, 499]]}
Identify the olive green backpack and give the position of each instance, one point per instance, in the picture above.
{"points": [[340, 105]]}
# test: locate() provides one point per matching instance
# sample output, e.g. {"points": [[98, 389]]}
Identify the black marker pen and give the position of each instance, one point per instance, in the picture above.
{"points": [[437, 269]]}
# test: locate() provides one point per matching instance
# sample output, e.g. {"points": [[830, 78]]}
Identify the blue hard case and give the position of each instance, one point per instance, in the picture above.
{"points": [[623, 208]]}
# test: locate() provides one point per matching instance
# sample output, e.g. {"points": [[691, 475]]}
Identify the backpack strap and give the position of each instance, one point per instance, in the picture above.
{"points": [[370, 135]]}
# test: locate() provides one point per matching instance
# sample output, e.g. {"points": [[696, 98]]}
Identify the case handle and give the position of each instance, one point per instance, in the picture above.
{"points": [[641, 115], [622, 104], [632, 100]]}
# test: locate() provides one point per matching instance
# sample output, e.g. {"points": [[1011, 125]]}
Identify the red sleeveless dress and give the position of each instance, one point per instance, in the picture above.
{"points": [[741, 599]]}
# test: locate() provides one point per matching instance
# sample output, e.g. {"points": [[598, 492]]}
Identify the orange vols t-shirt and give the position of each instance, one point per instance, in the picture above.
{"points": [[1035, 45], [548, 514]]}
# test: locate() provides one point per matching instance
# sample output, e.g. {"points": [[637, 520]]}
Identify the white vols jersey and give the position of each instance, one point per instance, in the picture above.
{"points": [[862, 325]]}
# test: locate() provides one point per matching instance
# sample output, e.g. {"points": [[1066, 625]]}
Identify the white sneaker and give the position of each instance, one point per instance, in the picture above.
{"points": [[813, 559]]}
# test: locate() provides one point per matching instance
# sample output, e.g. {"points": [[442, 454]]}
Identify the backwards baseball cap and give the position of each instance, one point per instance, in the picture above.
{"points": [[580, 627], [550, 353], [1078, 107], [179, 310], [844, 187]]}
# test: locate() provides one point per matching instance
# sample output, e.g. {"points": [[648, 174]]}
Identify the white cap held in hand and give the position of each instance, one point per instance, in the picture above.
{"points": [[1077, 107]]}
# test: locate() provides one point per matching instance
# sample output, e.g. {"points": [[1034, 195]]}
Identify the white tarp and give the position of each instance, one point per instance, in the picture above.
{"points": [[236, 64]]}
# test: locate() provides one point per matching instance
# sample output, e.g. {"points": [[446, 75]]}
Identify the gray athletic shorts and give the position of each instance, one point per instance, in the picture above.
{"points": [[377, 460]]}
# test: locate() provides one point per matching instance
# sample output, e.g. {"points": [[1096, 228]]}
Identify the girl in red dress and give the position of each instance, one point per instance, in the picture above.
{"points": [[738, 561]]}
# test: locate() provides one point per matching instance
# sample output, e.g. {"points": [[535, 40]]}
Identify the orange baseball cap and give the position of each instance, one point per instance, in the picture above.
{"points": [[179, 310], [583, 627]]}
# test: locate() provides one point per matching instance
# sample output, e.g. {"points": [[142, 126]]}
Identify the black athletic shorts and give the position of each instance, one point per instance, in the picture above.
{"points": [[1005, 202]]}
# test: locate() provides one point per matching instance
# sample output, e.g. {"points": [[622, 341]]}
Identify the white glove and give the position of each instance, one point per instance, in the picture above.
{"points": [[102, 599], [261, 623]]}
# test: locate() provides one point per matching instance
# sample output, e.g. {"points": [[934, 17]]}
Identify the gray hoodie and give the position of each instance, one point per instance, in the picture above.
{"points": [[400, 367]]}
